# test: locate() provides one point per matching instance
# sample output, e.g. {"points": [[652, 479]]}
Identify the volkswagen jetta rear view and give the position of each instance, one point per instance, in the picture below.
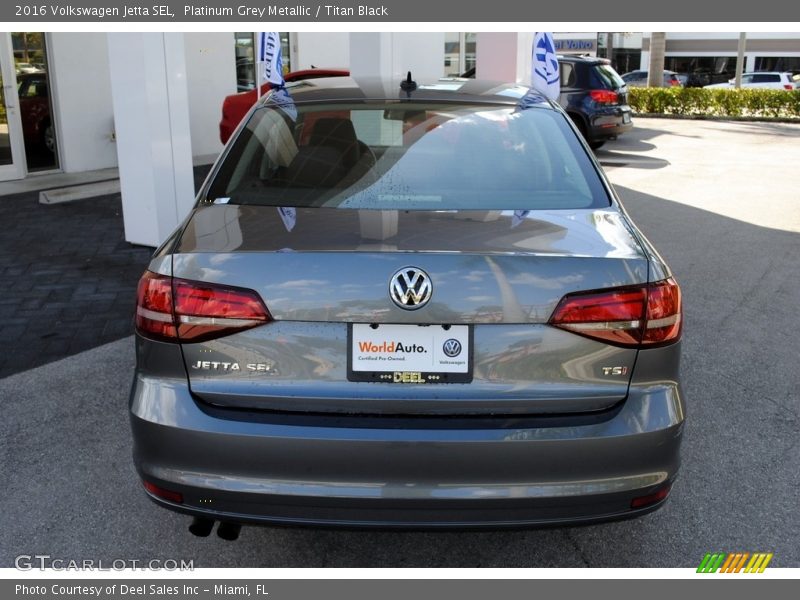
{"points": [[417, 307]]}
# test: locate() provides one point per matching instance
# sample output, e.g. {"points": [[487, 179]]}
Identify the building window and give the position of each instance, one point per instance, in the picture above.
{"points": [[34, 100], [245, 43], [702, 70], [778, 63], [459, 54]]}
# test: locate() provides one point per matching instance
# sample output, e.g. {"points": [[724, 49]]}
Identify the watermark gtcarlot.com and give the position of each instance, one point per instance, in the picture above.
{"points": [[44, 562]]}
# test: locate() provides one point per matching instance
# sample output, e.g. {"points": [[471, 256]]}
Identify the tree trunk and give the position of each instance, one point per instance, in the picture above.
{"points": [[610, 48], [740, 60], [655, 75]]}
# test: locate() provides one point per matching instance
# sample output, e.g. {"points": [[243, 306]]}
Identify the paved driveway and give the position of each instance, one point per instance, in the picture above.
{"points": [[719, 200]]}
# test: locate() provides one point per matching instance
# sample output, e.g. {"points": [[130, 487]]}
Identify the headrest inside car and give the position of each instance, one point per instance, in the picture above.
{"points": [[339, 134]]}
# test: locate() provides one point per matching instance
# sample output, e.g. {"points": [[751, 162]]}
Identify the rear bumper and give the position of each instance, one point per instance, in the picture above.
{"points": [[610, 122], [239, 470]]}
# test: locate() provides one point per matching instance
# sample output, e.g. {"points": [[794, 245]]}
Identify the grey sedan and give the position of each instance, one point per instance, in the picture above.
{"points": [[407, 306]]}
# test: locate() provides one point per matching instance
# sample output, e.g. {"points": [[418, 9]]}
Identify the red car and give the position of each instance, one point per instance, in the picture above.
{"points": [[34, 108], [235, 106]]}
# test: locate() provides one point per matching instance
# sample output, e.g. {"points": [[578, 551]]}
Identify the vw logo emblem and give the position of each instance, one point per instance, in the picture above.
{"points": [[410, 288], [452, 348], [545, 61]]}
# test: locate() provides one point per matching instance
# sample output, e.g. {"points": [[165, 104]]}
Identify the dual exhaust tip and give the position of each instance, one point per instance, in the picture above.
{"points": [[201, 527]]}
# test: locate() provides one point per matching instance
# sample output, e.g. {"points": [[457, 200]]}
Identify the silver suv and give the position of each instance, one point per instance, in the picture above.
{"points": [[639, 79]]}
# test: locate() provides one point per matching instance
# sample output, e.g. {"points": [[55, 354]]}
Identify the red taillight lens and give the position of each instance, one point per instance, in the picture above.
{"points": [[663, 323], [788, 86], [179, 310], [604, 96], [628, 316], [160, 492], [154, 317], [614, 316], [204, 311]]}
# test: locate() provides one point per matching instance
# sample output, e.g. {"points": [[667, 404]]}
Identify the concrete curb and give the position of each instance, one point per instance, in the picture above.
{"points": [[79, 192], [717, 118]]}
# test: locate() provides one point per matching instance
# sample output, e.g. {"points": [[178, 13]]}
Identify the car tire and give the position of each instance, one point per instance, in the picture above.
{"points": [[581, 125], [49, 138]]}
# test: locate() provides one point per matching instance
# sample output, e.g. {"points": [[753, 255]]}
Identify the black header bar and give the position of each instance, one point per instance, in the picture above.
{"points": [[394, 11]]}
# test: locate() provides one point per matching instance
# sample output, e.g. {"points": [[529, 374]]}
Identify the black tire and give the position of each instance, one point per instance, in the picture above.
{"points": [[48, 138], [581, 125]]}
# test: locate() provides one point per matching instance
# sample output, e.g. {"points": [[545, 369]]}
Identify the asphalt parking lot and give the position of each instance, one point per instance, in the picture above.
{"points": [[720, 202]]}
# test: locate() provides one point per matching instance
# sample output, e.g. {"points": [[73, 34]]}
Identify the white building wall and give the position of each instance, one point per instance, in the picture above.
{"points": [[210, 76], [504, 56], [420, 53], [81, 88], [323, 50]]}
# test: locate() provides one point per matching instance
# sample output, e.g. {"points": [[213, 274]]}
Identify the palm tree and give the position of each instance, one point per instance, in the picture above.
{"points": [[655, 76]]}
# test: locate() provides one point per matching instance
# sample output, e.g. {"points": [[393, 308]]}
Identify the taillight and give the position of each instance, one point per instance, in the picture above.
{"points": [[154, 316], [788, 86], [644, 315], [674, 82], [179, 310], [663, 321], [604, 96]]}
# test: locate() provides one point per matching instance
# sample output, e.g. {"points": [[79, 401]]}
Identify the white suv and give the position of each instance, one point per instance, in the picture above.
{"points": [[773, 80]]}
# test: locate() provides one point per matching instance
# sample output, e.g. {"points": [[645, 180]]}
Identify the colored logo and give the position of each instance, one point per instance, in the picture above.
{"points": [[546, 63], [735, 562]]}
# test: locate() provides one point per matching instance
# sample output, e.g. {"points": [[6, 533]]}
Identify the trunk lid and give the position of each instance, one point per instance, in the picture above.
{"points": [[500, 273]]}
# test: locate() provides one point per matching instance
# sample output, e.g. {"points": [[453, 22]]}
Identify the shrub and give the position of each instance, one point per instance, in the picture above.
{"points": [[715, 102]]}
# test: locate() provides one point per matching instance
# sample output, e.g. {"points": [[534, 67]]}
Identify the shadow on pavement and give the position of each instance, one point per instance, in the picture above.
{"points": [[69, 276]]}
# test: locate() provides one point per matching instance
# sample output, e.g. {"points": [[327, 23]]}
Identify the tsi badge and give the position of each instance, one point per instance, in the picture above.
{"points": [[615, 370]]}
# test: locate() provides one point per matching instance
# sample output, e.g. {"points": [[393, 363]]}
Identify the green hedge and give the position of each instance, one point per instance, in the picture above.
{"points": [[715, 102]]}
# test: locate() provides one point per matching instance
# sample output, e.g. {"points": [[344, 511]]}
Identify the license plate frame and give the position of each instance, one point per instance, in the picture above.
{"points": [[394, 371]]}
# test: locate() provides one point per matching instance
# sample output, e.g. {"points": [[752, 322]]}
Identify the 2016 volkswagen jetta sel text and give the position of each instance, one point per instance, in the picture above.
{"points": [[414, 306]]}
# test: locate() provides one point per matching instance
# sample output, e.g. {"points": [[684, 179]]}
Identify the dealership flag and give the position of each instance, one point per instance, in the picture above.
{"points": [[269, 68], [545, 77]]}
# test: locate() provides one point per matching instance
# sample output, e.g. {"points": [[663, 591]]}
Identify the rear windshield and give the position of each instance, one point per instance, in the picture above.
{"points": [[610, 78], [408, 156]]}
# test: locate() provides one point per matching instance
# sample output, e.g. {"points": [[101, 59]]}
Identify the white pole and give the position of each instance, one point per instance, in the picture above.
{"points": [[740, 60], [257, 62]]}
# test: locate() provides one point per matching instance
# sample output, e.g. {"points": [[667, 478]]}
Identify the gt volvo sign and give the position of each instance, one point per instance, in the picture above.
{"points": [[571, 44]]}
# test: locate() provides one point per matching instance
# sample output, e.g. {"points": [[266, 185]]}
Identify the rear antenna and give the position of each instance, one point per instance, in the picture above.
{"points": [[408, 84]]}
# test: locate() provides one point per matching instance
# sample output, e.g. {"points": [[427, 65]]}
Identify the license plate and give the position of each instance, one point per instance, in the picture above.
{"points": [[409, 354], [626, 118]]}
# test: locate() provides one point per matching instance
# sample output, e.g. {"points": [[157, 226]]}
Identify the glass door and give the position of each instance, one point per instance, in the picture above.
{"points": [[12, 150]]}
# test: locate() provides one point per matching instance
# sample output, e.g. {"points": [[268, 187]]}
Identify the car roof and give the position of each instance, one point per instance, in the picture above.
{"points": [[454, 89]]}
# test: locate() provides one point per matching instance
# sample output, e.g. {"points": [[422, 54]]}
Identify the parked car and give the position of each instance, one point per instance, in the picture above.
{"points": [[24, 67], [235, 106], [639, 78], [773, 80], [416, 306], [34, 109], [595, 98]]}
